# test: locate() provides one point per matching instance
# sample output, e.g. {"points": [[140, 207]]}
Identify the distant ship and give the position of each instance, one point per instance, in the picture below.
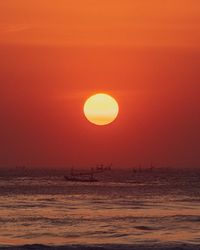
{"points": [[102, 168], [143, 170]]}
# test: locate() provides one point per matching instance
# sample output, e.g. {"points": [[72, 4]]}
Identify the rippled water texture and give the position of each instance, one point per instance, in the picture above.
{"points": [[123, 208]]}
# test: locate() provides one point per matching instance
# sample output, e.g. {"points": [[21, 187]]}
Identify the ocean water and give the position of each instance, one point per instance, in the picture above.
{"points": [[124, 210]]}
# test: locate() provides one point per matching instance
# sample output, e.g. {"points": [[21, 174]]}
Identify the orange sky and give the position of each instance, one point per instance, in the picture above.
{"points": [[54, 54], [89, 23]]}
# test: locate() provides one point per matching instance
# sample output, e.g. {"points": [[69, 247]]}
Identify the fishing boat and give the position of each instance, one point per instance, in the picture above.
{"points": [[76, 179], [102, 168], [86, 176], [81, 176]]}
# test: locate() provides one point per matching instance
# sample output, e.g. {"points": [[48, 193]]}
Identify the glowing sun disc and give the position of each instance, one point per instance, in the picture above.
{"points": [[101, 109]]}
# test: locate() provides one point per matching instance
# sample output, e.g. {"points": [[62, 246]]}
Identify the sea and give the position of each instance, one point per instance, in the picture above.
{"points": [[125, 209]]}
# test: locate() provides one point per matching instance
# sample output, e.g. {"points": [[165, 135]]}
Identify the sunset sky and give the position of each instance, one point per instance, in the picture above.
{"points": [[55, 54]]}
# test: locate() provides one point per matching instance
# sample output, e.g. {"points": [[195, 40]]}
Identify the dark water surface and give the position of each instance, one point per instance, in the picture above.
{"points": [[125, 210]]}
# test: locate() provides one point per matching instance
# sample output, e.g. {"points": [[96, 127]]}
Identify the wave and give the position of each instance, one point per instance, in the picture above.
{"points": [[168, 246]]}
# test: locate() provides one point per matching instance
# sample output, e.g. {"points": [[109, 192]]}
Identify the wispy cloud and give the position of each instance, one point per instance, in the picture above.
{"points": [[13, 28]]}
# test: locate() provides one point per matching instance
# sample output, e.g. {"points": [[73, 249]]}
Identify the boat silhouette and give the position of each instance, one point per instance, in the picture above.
{"points": [[86, 176], [77, 179], [81, 176]]}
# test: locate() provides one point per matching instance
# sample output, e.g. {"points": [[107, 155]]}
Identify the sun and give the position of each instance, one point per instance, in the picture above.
{"points": [[101, 109]]}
